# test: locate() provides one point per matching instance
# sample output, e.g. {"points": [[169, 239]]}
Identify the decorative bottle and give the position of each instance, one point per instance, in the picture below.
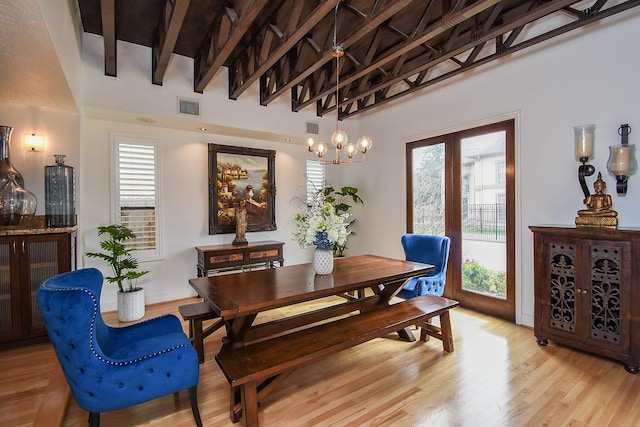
{"points": [[5, 161], [17, 204], [59, 191]]}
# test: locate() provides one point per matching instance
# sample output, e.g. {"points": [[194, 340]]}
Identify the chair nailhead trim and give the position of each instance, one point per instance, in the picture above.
{"points": [[93, 322]]}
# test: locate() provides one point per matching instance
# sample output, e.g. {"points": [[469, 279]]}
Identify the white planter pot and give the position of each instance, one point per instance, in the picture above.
{"points": [[131, 305]]}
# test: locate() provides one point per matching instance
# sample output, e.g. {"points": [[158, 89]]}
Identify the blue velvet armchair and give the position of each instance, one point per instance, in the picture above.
{"points": [[113, 368], [429, 250]]}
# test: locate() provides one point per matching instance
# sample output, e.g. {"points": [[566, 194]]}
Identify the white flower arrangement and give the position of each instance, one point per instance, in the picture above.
{"points": [[321, 226]]}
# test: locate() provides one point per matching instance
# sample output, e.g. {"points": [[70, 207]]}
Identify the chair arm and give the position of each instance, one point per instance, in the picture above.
{"points": [[430, 285]]}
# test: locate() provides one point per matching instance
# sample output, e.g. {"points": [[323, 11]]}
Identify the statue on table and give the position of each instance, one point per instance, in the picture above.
{"points": [[241, 224], [598, 212]]}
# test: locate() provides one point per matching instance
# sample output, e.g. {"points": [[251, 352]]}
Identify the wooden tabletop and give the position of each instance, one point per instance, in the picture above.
{"points": [[251, 292]]}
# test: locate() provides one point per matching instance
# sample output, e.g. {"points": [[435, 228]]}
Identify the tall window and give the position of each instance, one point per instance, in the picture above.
{"points": [[315, 178], [135, 198]]}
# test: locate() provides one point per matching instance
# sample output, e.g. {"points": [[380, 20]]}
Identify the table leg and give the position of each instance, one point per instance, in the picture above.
{"points": [[407, 334], [237, 329]]}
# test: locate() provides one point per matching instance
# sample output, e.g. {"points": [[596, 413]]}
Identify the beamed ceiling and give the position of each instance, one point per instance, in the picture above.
{"points": [[392, 48]]}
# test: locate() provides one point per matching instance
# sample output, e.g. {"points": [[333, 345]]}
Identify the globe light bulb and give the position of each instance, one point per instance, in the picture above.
{"points": [[350, 149], [311, 143], [364, 144], [339, 138], [322, 149]]}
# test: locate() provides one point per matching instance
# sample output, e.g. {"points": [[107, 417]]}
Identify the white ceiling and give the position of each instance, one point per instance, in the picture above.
{"points": [[30, 73]]}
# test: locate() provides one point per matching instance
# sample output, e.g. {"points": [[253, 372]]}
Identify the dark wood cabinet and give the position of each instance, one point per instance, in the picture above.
{"points": [[217, 258], [587, 290], [26, 260]]}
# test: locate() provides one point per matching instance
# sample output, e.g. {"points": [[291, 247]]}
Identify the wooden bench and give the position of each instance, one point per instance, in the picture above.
{"points": [[254, 370], [196, 313]]}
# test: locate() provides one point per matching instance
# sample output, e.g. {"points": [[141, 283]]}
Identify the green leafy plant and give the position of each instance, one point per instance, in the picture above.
{"points": [[124, 265], [340, 200], [477, 278]]}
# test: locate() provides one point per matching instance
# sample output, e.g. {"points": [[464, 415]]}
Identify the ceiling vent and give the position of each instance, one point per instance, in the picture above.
{"points": [[188, 107], [313, 128]]}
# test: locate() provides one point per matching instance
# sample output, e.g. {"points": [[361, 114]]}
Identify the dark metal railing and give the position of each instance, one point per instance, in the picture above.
{"points": [[484, 222]]}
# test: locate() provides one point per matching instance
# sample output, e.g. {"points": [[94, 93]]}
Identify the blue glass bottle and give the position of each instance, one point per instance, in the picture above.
{"points": [[59, 192]]}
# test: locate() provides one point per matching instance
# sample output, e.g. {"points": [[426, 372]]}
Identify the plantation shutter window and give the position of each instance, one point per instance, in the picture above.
{"points": [[315, 178], [136, 192]]}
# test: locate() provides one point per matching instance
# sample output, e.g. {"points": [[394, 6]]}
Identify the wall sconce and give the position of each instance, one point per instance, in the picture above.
{"points": [[584, 136], [622, 159], [33, 142]]}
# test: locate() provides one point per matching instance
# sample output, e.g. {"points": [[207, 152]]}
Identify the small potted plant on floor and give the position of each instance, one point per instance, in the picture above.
{"points": [[125, 271]]}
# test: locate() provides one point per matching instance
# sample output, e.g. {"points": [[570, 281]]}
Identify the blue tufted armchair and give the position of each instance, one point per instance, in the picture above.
{"points": [[429, 250], [112, 368]]}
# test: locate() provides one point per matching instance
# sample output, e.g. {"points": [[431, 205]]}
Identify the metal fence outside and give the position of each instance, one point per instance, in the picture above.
{"points": [[486, 222]]}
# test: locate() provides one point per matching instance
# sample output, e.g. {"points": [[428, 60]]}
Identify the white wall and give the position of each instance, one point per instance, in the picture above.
{"points": [[65, 29], [133, 92], [583, 78], [184, 202], [61, 133]]}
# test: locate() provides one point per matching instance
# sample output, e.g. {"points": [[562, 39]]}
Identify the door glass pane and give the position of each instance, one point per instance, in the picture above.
{"points": [[428, 189], [483, 178]]}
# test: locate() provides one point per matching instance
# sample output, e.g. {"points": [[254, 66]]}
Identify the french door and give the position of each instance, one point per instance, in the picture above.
{"points": [[462, 185]]}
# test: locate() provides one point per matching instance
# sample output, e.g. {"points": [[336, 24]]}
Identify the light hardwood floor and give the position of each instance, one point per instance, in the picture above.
{"points": [[497, 376]]}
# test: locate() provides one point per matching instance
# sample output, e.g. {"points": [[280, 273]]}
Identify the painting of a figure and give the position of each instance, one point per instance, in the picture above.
{"points": [[241, 178]]}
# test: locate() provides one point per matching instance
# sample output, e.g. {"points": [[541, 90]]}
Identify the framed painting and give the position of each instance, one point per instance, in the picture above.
{"points": [[239, 178]]}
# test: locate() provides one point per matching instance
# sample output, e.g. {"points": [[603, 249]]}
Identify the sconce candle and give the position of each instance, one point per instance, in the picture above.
{"points": [[622, 159], [620, 156], [584, 141], [584, 136]]}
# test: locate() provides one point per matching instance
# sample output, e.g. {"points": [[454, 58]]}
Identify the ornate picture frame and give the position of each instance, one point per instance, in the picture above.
{"points": [[241, 177]]}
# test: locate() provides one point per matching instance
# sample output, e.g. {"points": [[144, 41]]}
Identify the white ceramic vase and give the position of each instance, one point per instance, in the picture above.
{"points": [[131, 305], [323, 261]]}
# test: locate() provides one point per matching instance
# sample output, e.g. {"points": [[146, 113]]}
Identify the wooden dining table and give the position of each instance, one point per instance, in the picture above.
{"points": [[362, 282]]}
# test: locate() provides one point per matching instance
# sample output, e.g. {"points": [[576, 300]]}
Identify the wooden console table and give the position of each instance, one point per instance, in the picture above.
{"points": [[231, 257]]}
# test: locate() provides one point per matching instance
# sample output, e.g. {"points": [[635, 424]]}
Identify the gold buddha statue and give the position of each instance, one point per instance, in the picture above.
{"points": [[598, 212]]}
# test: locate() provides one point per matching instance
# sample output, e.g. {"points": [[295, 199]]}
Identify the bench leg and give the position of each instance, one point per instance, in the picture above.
{"points": [[249, 392], [443, 333], [198, 338], [445, 330], [235, 407]]}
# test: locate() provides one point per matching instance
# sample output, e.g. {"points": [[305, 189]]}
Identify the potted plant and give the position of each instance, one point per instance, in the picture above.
{"points": [[125, 270], [339, 199]]}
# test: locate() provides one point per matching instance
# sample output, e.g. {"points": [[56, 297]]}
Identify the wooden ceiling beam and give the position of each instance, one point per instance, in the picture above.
{"points": [[506, 49], [371, 23], [296, 31], [166, 36], [446, 23], [532, 16], [108, 14], [226, 34]]}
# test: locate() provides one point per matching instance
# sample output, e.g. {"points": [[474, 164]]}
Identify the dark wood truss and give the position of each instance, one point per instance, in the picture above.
{"points": [[392, 47]]}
